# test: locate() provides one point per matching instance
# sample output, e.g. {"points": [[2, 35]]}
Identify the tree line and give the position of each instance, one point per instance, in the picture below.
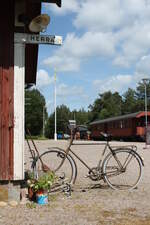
{"points": [[106, 105]]}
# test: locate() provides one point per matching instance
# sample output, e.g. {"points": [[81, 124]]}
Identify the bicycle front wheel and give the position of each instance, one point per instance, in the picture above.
{"points": [[54, 160], [123, 170]]}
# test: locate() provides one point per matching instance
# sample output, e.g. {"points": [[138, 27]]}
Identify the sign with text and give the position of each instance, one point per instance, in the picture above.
{"points": [[38, 39]]}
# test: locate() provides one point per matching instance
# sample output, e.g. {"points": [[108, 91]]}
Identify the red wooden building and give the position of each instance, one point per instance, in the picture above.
{"points": [[18, 64]]}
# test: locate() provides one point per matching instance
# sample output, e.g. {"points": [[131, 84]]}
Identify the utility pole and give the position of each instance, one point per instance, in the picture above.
{"points": [[145, 81], [43, 120], [55, 134]]}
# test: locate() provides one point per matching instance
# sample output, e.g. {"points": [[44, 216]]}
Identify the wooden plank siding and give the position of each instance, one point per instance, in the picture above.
{"points": [[6, 89]]}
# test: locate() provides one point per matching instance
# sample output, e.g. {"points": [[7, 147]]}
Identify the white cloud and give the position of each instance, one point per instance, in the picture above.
{"points": [[71, 95], [114, 83], [121, 61], [64, 90], [43, 79], [63, 62], [117, 30], [99, 15], [77, 49], [127, 21], [106, 15], [132, 43], [119, 83], [143, 65]]}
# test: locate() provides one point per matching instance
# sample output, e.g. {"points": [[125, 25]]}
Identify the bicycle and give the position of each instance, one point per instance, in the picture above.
{"points": [[113, 168]]}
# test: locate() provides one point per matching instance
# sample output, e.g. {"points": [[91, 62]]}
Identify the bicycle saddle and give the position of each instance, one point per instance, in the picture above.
{"points": [[108, 137]]}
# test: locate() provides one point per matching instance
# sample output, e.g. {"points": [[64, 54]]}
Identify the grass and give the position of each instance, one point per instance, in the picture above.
{"points": [[31, 205]]}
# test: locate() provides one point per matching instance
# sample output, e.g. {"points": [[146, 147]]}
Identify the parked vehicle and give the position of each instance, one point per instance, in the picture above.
{"points": [[126, 127], [66, 136], [59, 136]]}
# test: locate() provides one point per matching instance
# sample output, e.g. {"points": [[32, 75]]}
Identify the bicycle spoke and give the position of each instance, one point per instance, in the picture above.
{"points": [[128, 176]]}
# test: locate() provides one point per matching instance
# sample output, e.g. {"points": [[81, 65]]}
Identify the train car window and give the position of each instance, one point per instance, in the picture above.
{"points": [[123, 123], [126, 123], [99, 128], [110, 125], [140, 122]]}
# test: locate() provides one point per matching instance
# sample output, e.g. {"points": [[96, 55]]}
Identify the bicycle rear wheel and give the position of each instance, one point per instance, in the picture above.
{"points": [[126, 178], [53, 159]]}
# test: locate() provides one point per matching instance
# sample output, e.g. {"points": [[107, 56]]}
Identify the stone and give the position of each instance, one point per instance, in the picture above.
{"points": [[2, 204], [23, 193], [3, 193], [24, 201], [14, 192], [13, 203], [9, 191]]}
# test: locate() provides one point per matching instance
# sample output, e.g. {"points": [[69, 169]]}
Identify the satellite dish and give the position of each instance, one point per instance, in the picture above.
{"points": [[39, 23]]}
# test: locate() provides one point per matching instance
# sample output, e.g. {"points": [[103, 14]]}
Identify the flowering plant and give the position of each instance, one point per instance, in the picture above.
{"points": [[43, 183]]}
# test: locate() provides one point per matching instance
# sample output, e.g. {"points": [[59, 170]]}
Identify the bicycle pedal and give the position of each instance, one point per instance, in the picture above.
{"points": [[67, 190]]}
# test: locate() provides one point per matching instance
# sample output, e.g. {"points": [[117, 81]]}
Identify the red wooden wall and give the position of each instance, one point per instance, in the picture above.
{"points": [[6, 89]]}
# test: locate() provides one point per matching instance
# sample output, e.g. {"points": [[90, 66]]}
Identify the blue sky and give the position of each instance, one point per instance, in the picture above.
{"points": [[106, 46]]}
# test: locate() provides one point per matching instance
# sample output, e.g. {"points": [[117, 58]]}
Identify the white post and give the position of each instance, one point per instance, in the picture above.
{"points": [[145, 80], [55, 134], [145, 107], [43, 121], [19, 75]]}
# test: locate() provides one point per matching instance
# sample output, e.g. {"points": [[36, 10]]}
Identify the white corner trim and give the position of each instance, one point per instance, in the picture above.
{"points": [[19, 77]]}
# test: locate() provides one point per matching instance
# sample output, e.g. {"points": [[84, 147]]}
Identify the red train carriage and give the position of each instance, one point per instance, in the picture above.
{"points": [[127, 127]]}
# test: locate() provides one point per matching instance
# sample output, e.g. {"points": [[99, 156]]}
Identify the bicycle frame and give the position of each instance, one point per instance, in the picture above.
{"points": [[82, 161]]}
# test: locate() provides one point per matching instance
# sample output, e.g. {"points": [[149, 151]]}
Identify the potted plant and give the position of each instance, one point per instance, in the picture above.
{"points": [[41, 186]]}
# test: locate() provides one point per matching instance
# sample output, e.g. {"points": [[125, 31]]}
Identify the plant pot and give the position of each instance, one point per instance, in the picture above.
{"points": [[31, 194], [42, 197]]}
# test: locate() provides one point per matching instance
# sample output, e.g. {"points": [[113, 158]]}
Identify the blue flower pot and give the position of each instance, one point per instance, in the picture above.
{"points": [[42, 198]]}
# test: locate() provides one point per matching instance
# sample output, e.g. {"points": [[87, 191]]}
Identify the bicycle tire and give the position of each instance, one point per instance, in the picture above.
{"points": [[53, 159], [127, 179]]}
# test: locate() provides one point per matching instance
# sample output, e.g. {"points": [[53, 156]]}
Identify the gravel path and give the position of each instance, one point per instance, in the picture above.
{"points": [[90, 203]]}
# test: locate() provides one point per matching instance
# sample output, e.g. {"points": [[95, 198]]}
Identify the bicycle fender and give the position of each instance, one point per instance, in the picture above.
{"points": [[141, 159]]}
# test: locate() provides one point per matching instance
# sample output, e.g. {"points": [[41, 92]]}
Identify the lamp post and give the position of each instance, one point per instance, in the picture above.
{"points": [[43, 120], [145, 82], [55, 134]]}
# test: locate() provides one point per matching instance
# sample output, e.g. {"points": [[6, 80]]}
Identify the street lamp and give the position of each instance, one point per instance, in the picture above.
{"points": [[145, 82], [43, 120], [55, 134]]}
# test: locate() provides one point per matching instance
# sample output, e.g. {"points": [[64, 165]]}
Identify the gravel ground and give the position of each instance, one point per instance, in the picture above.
{"points": [[90, 203]]}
